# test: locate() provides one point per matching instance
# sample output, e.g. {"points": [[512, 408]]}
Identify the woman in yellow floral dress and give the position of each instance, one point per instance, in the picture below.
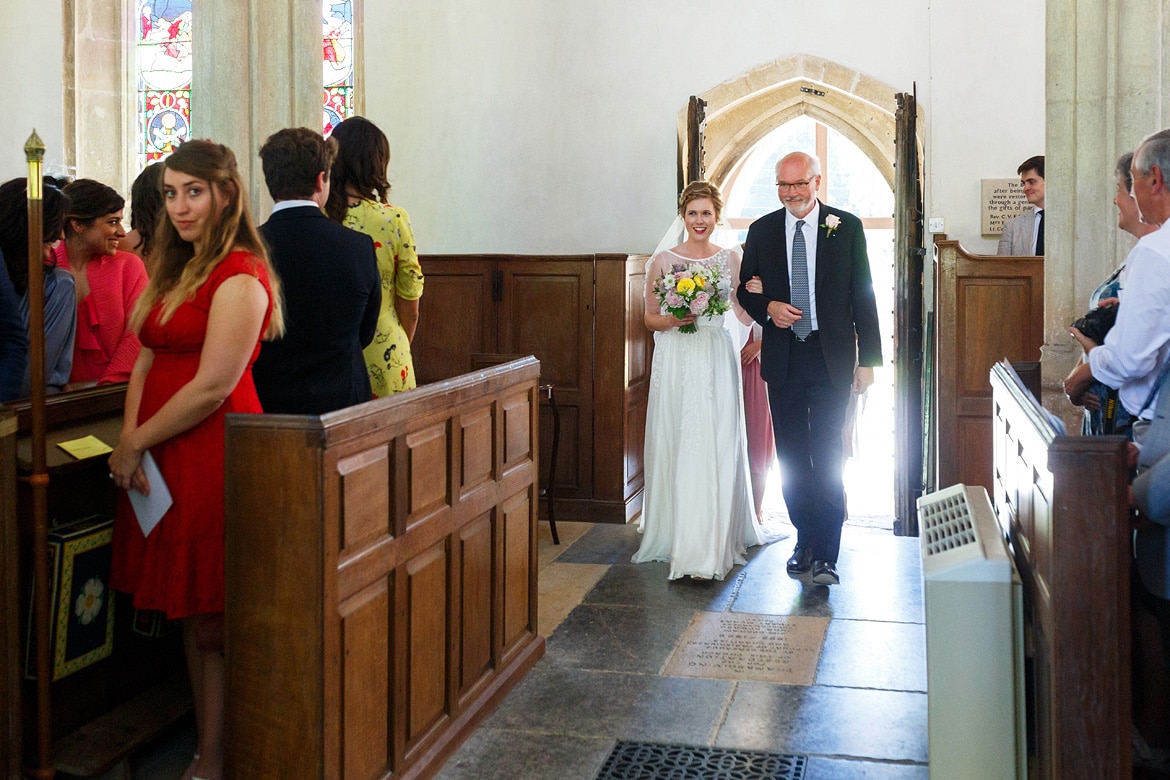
{"points": [[357, 199]]}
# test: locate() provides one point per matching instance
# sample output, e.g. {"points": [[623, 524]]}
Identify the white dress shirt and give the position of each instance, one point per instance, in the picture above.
{"points": [[281, 205], [810, 232], [1138, 346]]}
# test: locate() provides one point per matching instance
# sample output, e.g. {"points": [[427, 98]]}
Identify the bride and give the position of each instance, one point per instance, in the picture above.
{"points": [[697, 510]]}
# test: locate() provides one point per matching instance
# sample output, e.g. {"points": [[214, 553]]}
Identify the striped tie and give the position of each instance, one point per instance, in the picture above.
{"points": [[802, 327]]}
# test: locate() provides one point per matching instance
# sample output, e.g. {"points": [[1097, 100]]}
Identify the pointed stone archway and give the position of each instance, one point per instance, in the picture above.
{"points": [[743, 110]]}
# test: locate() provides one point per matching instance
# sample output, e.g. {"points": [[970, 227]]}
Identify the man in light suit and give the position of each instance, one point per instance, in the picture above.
{"points": [[330, 282], [1024, 235], [820, 344]]}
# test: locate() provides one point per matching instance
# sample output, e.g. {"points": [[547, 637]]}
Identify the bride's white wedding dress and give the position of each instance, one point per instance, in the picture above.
{"points": [[697, 510]]}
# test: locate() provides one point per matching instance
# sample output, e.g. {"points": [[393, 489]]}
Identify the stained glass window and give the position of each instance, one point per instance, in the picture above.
{"points": [[337, 34], [164, 77]]}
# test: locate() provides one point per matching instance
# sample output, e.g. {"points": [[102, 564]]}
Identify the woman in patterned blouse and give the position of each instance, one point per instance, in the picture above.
{"points": [[358, 200]]}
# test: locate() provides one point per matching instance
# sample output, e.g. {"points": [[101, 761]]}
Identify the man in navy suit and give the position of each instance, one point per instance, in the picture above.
{"points": [[329, 275], [820, 344]]}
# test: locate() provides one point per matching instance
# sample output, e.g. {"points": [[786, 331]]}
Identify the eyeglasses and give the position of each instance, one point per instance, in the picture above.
{"points": [[796, 185]]}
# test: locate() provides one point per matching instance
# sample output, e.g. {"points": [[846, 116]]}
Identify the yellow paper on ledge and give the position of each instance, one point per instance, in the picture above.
{"points": [[88, 447]]}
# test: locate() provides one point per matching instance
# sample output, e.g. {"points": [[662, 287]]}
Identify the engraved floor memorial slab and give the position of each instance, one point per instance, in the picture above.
{"points": [[763, 648]]}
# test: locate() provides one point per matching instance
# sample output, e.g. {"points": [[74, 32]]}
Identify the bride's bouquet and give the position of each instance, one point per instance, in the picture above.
{"points": [[692, 288]]}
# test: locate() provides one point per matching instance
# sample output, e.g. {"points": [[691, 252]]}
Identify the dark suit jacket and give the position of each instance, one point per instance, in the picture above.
{"points": [[332, 294], [847, 321]]}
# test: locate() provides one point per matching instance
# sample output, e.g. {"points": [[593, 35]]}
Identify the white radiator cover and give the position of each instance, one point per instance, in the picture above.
{"points": [[974, 639]]}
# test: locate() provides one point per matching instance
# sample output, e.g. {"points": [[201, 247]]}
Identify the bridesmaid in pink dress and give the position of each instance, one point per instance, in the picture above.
{"points": [[108, 282], [761, 442]]}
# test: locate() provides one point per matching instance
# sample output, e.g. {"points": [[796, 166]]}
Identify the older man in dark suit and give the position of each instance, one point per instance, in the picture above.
{"points": [[332, 291], [820, 343]]}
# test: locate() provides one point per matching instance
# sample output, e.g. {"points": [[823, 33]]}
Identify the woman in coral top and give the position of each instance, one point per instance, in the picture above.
{"points": [[214, 295], [108, 283], [358, 200]]}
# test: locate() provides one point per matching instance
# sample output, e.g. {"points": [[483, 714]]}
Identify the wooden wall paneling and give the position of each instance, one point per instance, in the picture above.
{"points": [[427, 664], [547, 311], [457, 315], [406, 624], [365, 674], [989, 308], [430, 454], [476, 545], [477, 463], [516, 514], [582, 316], [364, 479]]}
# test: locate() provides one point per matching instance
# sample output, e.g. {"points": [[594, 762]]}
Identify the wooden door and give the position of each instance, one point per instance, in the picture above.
{"points": [[546, 310], [989, 308], [457, 315], [908, 321]]}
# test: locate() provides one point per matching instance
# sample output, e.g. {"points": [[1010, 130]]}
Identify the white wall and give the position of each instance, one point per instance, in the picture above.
{"points": [[529, 126], [534, 126], [33, 44]]}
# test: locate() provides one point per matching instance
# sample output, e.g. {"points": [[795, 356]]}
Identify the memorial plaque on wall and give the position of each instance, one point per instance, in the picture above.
{"points": [[1002, 199]]}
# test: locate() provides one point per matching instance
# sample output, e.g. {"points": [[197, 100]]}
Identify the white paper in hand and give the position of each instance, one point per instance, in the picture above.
{"points": [[150, 509]]}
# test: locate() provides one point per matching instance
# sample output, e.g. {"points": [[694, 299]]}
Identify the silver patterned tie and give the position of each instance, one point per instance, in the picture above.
{"points": [[802, 327]]}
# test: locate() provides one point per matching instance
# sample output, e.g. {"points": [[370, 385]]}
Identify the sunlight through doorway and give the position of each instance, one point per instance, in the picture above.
{"points": [[852, 182]]}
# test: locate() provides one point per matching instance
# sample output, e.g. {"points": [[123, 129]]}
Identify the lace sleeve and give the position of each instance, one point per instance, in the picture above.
{"points": [[733, 262], [655, 269]]}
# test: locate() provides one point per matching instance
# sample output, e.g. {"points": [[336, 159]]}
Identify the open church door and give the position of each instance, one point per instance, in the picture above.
{"points": [[908, 319], [690, 158]]}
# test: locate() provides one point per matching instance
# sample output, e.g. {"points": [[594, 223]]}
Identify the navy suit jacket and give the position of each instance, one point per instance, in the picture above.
{"points": [[13, 339], [847, 320], [332, 295]]}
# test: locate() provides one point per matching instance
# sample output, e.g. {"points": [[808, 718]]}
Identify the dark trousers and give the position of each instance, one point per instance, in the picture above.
{"points": [[808, 413]]}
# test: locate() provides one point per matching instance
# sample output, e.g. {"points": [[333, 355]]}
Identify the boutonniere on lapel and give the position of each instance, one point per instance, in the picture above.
{"points": [[832, 222]]}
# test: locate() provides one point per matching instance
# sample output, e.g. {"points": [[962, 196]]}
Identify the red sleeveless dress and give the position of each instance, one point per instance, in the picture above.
{"points": [[179, 568]]}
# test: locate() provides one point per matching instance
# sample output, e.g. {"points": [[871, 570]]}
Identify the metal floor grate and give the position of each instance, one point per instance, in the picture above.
{"points": [[649, 761]]}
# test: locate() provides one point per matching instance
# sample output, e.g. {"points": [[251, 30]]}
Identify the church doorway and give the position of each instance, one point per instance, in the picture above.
{"points": [[850, 181]]}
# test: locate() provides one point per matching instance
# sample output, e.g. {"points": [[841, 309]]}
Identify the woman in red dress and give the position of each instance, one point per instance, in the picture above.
{"points": [[213, 296]]}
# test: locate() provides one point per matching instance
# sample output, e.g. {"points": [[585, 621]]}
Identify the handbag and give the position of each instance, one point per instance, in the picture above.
{"points": [[1097, 322]]}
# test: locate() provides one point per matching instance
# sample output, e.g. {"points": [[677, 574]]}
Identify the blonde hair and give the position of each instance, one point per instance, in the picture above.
{"points": [[178, 269], [701, 189]]}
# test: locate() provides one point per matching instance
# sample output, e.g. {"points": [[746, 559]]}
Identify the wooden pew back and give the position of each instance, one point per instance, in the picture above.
{"points": [[381, 576], [1063, 502]]}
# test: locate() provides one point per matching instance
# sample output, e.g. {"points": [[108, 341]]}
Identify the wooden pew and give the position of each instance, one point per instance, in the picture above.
{"points": [[1063, 502], [988, 307], [142, 674], [381, 576]]}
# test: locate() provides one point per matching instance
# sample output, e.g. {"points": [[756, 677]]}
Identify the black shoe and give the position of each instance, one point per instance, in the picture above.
{"points": [[801, 560], [825, 573]]}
